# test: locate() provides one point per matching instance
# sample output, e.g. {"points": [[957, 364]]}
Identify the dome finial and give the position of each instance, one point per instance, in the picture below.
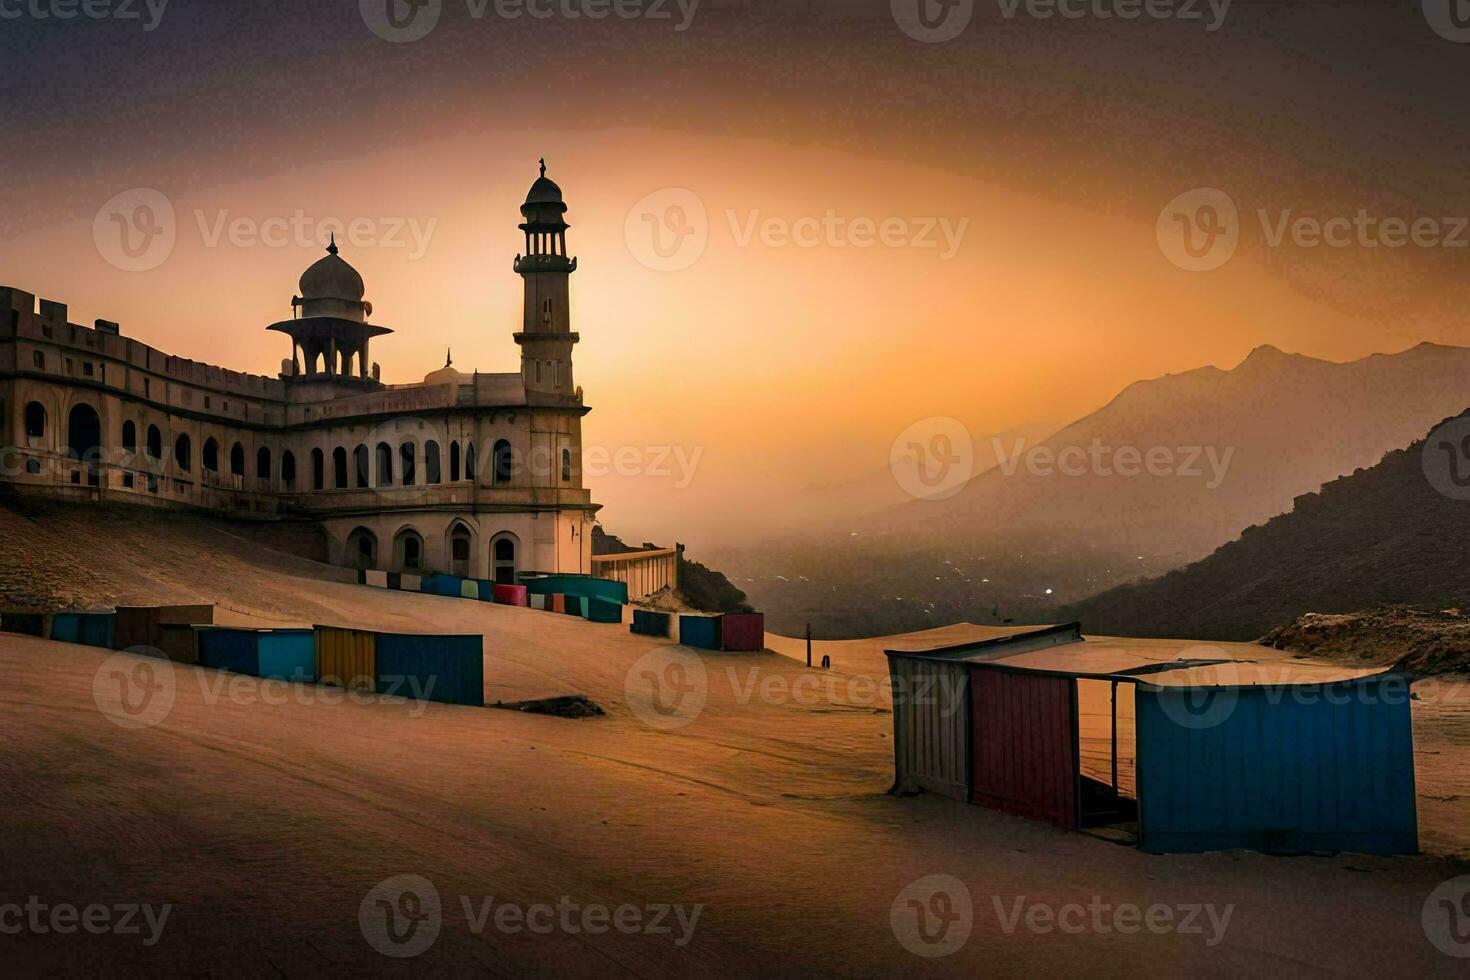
{"points": [[543, 166], [332, 248], [449, 357]]}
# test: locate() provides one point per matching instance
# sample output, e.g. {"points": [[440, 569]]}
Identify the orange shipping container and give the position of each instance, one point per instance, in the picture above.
{"points": [[347, 658]]}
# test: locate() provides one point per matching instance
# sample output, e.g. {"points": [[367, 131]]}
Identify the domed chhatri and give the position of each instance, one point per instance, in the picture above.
{"points": [[545, 192], [332, 278]]}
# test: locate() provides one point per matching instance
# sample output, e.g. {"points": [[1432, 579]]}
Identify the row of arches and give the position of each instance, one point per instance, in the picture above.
{"points": [[409, 554], [354, 470]]}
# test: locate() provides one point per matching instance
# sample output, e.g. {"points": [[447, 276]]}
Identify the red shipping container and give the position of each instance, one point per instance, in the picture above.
{"points": [[511, 595], [558, 603], [1024, 747], [744, 632]]}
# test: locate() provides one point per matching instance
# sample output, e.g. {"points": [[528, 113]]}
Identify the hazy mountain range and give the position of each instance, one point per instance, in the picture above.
{"points": [[1163, 475]]}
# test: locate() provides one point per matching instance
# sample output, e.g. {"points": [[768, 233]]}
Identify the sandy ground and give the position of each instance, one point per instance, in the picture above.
{"points": [[761, 798]]}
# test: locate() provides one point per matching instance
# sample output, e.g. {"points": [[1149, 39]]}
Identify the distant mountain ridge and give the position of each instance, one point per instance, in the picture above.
{"points": [[1383, 536], [1279, 424]]}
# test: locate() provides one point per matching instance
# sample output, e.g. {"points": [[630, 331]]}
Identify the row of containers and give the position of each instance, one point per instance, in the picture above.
{"points": [[424, 667], [731, 632], [594, 599]]}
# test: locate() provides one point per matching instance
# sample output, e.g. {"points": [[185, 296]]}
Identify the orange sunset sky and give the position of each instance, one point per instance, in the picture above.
{"points": [[783, 366]]}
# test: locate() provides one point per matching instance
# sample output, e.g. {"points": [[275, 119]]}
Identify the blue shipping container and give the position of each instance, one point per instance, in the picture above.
{"points": [[88, 629], [280, 654], [487, 591], [702, 632], [1308, 768], [648, 623], [576, 605], [447, 669], [445, 585]]}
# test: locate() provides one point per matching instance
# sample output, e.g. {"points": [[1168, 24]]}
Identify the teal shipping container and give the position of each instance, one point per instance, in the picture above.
{"points": [[277, 654], [604, 611], [702, 632], [446, 669], [579, 585], [576, 605], [87, 629]]}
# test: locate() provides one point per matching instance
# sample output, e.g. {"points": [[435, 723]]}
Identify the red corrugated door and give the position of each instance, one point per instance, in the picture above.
{"points": [[1024, 747]]}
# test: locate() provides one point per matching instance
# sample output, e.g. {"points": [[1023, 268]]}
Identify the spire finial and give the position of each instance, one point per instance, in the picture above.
{"points": [[449, 357], [332, 248], [543, 166]]}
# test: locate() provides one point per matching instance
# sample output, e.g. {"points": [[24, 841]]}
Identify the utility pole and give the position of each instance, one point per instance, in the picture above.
{"points": [[808, 646]]}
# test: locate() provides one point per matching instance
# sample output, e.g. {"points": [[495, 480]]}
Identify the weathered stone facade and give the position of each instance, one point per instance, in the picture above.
{"points": [[464, 473]]}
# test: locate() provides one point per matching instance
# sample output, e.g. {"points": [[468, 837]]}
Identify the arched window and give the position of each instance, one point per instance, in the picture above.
{"points": [[35, 421], [503, 560], [406, 460], [461, 543], [130, 437], [288, 468], [209, 459], [566, 466], [319, 469], [237, 460], [385, 465], [155, 443], [408, 550], [362, 548], [183, 452], [469, 461], [339, 468], [362, 463], [263, 463], [432, 471], [504, 463], [454, 462], [84, 434]]}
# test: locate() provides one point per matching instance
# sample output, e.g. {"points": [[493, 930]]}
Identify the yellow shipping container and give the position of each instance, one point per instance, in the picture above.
{"points": [[347, 658]]}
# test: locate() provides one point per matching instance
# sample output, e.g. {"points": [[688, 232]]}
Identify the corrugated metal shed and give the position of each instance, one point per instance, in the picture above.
{"points": [[1024, 753], [1304, 768], [347, 658], [447, 669]]}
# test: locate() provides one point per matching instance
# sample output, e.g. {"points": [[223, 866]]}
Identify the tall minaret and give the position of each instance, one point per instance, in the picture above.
{"points": [[546, 338]]}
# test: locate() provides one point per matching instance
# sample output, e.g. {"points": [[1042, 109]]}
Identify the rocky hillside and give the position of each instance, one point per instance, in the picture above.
{"points": [[1383, 536], [1421, 641], [700, 588]]}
